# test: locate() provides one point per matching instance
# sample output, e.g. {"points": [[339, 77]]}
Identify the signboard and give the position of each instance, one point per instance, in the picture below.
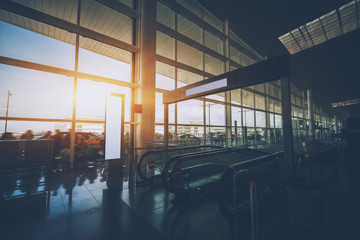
{"points": [[114, 126], [137, 108]]}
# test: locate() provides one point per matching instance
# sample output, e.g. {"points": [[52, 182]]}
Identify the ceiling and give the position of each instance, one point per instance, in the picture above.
{"points": [[331, 69]]}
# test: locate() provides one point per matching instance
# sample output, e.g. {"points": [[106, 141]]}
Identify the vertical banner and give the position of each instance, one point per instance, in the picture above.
{"points": [[113, 126]]}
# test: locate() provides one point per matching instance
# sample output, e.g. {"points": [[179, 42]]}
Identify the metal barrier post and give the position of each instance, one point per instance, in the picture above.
{"points": [[254, 211], [235, 207]]}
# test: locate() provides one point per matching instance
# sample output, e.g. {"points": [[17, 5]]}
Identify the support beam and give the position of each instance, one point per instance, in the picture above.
{"points": [[310, 104], [287, 124], [166, 125], [265, 71], [228, 122], [147, 70]]}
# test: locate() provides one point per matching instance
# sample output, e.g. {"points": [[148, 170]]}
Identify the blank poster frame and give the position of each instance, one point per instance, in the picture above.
{"points": [[122, 96]]}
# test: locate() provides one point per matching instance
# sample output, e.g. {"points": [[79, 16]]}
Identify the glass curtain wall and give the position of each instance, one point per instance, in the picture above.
{"points": [[190, 47], [45, 86]]}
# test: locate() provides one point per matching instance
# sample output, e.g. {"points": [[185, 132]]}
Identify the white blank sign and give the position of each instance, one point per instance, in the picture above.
{"points": [[207, 87], [113, 127]]}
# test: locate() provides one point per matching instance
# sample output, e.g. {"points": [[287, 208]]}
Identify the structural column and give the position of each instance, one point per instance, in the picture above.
{"points": [[311, 114], [287, 124], [336, 129], [147, 71], [228, 93]]}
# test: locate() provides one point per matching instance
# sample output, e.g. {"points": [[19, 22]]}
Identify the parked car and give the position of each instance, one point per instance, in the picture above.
{"points": [[188, 137], [91, 139]]}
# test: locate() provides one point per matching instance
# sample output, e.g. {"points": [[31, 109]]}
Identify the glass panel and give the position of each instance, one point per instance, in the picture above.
{"points": [[218, 97], [245, 60], [189, 55], [190, 112], [214, 43], [271, 105], [91, 99], [186, 77], [39, 129], [272, 120], [159, 133], [165, 77], [159, 110], [260, 119], [35, 94], [129, 3], [251, 135], [247, 98], [259, 102], [248, 116], [18, 43], [212, 20], [165, 45], [192, 6], [236, 116], [234, 54], [233, 67], [104, 60], [215, 114], [171, 133], [190, 134], [278, 121], [188, 28], [262, 134], [102, 19], [216, 135], [237, 137], [213, 65], [259, 87], [235, 96], [165, 15], [277, 106], [274, 91]]}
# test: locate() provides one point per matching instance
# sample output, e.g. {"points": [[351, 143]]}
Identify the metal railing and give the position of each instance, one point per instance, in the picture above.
{"points": [[151, 163], [182, 169], [326, 160], [232, 192]]}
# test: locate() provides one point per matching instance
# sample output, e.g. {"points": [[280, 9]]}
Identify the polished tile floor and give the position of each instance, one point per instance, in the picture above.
{"points": [[88, 203], [82, 204]]}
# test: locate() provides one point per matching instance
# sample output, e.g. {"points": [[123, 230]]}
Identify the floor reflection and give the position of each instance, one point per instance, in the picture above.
{"points": [[28, 195]]}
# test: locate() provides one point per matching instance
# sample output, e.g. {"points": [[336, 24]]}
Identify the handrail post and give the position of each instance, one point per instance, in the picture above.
{"points": [[235, 206], [254, 211]]}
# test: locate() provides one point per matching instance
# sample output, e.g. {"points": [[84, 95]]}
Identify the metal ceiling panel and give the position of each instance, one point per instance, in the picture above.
{"points": [[349, 16], [333, 24], [299, 39], [316, 31], [63, 9]]}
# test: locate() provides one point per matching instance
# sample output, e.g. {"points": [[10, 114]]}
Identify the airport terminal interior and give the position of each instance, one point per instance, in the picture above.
{"points": [[179, 119]]}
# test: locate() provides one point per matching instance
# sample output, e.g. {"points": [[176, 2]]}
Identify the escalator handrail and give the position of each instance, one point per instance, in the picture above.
{"points": [[176, 160], [311, 153], [143, 157], [235, 168], [167, 170]]}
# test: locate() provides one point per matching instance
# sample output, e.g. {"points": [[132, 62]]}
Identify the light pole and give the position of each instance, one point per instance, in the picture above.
{"points": [[7, 109]]}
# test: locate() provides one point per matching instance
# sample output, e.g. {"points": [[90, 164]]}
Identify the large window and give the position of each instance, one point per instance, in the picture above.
{"points": [[22, 44], [40, 98]]}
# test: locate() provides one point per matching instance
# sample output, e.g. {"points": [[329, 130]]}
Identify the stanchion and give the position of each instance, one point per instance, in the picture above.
{"points": [[236, 232], [254, 211]]}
